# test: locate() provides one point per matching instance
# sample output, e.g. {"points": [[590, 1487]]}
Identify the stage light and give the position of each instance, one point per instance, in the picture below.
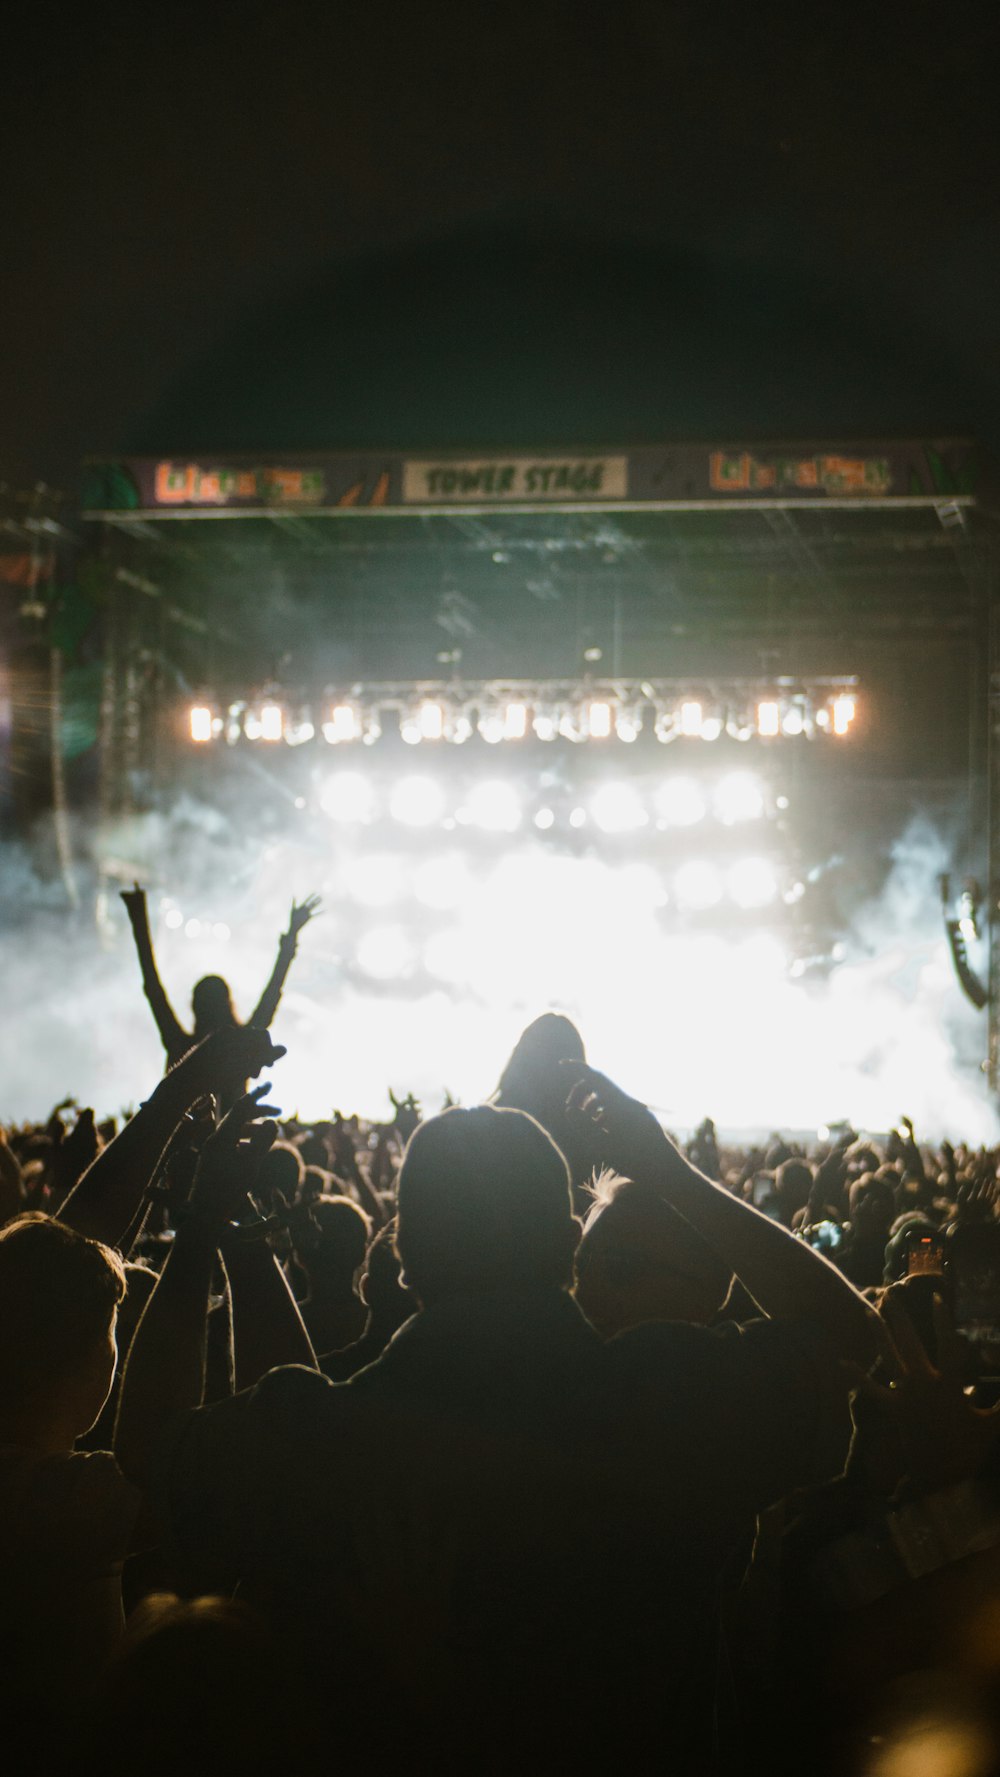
{"points": [[347, 796], [384, 953], [752, 883], [572, 725], [698, 886], [690, 719], [578, 817], [192, 928], [628, 724], [272, 721], [299, 729], [515, 721], [546, 724], [738, 797], [679, 802], [768, 718], [202, 724], [494, 806], [431, 720], [599, 720], [794, 719], [441, 883], [617, 808], [417, 802], [344, 724], [544, 819], [844, 709], [374, 879], [664, 726], [174, 919], [491, 727]]}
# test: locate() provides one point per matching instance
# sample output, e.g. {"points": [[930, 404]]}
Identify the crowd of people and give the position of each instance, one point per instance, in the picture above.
{"points": [[519, 1437]]}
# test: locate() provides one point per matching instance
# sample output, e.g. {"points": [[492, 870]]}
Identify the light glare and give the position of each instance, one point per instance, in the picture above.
{"points": [[752, 883], [680, 802], [738, 797], [698, 886], [201, 723], [417, 802], [768, 718], [494, 806], [347, 796], [617, 808], [599, 721]]}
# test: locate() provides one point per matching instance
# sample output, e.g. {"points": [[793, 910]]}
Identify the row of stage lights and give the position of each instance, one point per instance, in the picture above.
{"points": [[828, 709], [351, 798]]}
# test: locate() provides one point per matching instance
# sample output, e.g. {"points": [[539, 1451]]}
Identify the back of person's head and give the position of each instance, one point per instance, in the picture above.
{"points": [[59, 1296], [535, 1059], [341, 1239], [640, 1261], [199, 1684], [483, 1204], [212, 1004], [872, 1203], [792, 1185], [281, 1170]]}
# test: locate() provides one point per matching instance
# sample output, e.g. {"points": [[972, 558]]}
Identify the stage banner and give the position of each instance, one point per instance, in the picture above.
{"points": [[647, 476]]}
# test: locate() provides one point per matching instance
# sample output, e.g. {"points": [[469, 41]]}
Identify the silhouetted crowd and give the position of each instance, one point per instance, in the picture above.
{"points": [[518, 1438]]}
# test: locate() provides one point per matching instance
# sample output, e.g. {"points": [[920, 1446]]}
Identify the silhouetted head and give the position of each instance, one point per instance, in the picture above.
{"points": [[484, 1204], [212, 1005], [59, 1296]]}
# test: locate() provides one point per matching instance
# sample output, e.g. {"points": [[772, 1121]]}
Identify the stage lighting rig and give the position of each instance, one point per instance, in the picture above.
{"points": [[505, 711]]}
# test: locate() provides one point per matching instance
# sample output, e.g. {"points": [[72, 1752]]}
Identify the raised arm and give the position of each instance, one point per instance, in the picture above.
{"points": [[165, 1371], [107, 1199], [302, 912], [785, 1276], [173, 1036]]}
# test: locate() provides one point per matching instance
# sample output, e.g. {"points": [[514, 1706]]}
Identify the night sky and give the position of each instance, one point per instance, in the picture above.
{"points": [[322, 224]]}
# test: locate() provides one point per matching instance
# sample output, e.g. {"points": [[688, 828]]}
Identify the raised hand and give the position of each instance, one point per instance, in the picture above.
{"points": [[302, 912], [231, 1159], [923, 1425], [237, 1052], [134, 899], [634, 1143]]}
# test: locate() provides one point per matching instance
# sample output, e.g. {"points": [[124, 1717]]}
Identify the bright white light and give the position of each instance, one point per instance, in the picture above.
{"points": [[698, 886], [690, 723], [201, 722], [752, 883], [374, 879], [298, 733], [544, 819], [221, 931], [343, 724], [409, 730], [738, 797], [570, 726], [384, 952], [628, 725], [495, 807], [711, 727], [174, 919], [768, 717], [679, 801], [491, 727], [617, 808], [515, 721], [843, 714], [578, 817], [347, 796], [271, 722], [442, 883], [545, 724], [793, 721], [193, 928], [431, 721], [599, 721], [446, 955], [417, 802]]}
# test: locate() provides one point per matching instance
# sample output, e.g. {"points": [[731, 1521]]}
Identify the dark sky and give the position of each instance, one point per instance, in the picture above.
{"points": [[184, 182]]}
